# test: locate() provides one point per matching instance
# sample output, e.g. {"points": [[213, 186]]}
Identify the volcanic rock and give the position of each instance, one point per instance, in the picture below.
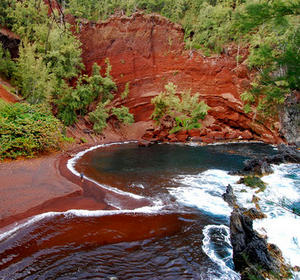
{"points": [[229, 196], [250, 251], [253, 213], [263, 166]]}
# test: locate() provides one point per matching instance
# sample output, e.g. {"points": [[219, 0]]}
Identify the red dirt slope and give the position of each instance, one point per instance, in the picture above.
{"points": [[148, 51], [7, 96]]}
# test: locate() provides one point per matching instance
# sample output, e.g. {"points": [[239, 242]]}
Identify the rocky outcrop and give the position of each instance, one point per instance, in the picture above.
{"points": [[148, 51], [290, 118], [263, 166], [229, 196], [251, 256]]}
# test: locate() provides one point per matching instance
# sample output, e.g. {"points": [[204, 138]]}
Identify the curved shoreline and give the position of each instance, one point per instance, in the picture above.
{"points": [[64, 192], [33, 196]]}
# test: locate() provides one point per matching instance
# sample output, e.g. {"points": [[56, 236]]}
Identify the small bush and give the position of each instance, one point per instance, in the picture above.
{"points": [[183, 107], [99, 117], [123, 114], [103, 112], [125, 93], [26, 130]]}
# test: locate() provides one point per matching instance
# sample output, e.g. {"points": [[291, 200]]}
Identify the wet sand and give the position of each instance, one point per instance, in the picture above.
{"points": [[34, 186]]}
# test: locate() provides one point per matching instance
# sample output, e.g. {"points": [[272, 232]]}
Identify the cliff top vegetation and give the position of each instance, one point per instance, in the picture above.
{"points": [[49, 69]]}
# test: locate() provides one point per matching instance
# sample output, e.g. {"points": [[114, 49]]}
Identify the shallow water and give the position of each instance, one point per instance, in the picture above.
{"points": [[183, 235]]}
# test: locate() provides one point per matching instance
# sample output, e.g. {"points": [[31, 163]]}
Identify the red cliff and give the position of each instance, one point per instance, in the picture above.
{"points": [[148, 51]]}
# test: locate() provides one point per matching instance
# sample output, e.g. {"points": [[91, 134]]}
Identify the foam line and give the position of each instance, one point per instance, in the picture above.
{"points": [[281, 226], [83, 213], [204, 191], [228, 273], [72, 162]]}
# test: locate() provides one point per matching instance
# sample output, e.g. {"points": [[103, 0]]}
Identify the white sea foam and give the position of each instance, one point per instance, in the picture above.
{"points": [[140, 186], [209, 250], [72, 162], [204, 191], [281, 226], [147, 210], [221, 143], [284, 231]]}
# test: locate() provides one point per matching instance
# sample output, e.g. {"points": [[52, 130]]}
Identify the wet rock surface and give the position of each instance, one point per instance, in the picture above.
{"points": [[250, 251], [286, 154], [290, 118], [229, 196]]}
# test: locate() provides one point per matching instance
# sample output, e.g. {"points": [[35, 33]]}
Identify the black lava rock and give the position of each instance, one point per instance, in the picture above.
{"points": [[229, 196], [249, 249], [263, 166]]}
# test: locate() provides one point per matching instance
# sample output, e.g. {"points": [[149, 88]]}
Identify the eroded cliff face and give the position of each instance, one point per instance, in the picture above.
{"points": [[148, 51]]}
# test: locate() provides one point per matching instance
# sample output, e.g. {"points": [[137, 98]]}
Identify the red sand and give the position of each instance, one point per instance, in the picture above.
{"points": [[33, 186]]}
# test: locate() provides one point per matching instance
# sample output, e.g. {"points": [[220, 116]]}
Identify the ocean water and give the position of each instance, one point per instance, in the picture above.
{"points": [[184, 234]]}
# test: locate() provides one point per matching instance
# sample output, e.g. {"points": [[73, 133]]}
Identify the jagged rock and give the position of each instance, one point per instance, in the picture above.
{"points": [[290, 119], [254, 167], [255, 200], [254, 214], [229, 196], [167, 122], [181, 137], [249, 249], [194, 133], [196, 139], [290, 153], [172, 138], [263, 166]]}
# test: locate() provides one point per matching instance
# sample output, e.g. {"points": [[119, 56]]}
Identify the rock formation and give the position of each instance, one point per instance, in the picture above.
{"points": [[263, 166], [290, 119], [250, 251], [229, 196], [148, 51]]}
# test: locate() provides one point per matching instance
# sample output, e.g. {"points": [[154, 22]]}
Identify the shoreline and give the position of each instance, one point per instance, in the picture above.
{"points": [[26, 183], [64, 192]]}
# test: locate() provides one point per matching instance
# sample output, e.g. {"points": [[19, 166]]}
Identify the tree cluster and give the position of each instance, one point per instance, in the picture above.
{"points": [[48, 70]]}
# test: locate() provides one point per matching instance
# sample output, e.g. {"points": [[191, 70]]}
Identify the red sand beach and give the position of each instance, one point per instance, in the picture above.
{"points": [[32, 186]]}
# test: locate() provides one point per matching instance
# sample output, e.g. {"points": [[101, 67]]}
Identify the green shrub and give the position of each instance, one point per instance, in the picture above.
{"points": [[37, 84], [123, 114], [125, 93], [99, 117], [103, 112], [76, 101], [183, 107], [26, 130]]}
